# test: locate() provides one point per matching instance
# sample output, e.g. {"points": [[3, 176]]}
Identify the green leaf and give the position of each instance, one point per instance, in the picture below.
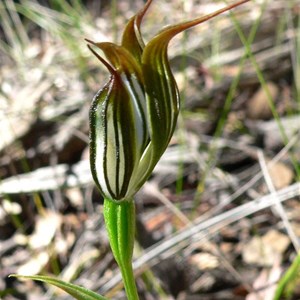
{"points": [[75, 291], [289, 281]]}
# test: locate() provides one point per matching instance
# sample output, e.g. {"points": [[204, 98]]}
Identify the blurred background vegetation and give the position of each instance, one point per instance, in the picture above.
{"points": [[212, 223]]}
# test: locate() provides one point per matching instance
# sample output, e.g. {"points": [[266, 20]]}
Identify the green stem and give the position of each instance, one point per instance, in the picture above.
{"points": [[120, 224]]}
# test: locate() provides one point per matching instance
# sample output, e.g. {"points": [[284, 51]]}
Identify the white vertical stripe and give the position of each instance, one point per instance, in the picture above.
{"points": [[139, 115]]}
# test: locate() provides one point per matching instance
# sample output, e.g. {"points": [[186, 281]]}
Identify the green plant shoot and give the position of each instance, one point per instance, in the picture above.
{"points": [[132, 119]]}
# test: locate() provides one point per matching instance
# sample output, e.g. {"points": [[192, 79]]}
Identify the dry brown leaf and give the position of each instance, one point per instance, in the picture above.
{"points": [[263, 251], [46, 227], [281, 175], [204, 261], [258, 106], [36, 263], [17, 111]]}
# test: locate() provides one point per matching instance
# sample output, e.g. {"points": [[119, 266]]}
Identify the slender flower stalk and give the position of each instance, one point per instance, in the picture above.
{"points": [[120, 224], [132, 120]]}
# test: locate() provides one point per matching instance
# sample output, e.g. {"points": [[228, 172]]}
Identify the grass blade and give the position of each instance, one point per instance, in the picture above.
{"points": [[75, 291]]}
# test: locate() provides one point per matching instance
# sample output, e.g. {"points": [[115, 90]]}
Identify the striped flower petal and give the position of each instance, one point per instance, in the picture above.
{"points": [[118, 130]]}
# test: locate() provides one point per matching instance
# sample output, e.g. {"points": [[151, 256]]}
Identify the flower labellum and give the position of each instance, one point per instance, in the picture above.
{"points": [[133, 117]]}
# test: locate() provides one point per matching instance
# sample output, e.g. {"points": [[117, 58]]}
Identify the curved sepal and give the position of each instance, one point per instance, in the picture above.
{"points": [[162, 94], [161, 89], [132, 39]]}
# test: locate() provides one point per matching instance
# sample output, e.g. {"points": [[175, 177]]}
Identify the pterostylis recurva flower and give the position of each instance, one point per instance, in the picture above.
{"points": [[134, 115], [132, 120]]}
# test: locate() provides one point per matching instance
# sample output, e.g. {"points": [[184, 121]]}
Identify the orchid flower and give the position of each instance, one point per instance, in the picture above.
{"points": [[133, 117], [132, 120]]}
